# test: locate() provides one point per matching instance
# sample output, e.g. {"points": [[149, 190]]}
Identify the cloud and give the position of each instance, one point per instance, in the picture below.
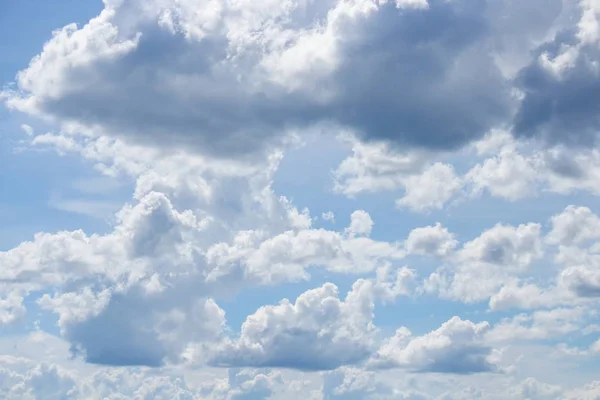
{"points": [[431, 189], [559, 87], [497, 165], [543, 324], [360, 224], [25, 379], [353, 384], [455, 347], [432, 240], [375, 167], [483, 265], [142, 294], [328, 216], [533, 389], [582, 280], [515, 294], [317, 332], [514, 247], [574, 226], [233, 78]]}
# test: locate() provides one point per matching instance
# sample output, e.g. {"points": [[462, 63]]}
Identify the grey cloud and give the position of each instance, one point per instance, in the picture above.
{"points": [[561, 86], [421, 78]]}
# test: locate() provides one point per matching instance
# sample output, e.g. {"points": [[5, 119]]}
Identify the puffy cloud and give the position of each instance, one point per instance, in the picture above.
{"points": [[431, 189], [418, 4], [574, 226], [286, 256], [508, 175], [374, 167], [483, 265], [12, 309], [432, 240], [538, 325], [513, 247], [408, 79], [583, 281], [317, 332], [533, 389], [353, 383], [360, 223], [24, 379], [529, 296], [456, 347], [498, 165], [232, 78], [589, 391], [559, 87]]}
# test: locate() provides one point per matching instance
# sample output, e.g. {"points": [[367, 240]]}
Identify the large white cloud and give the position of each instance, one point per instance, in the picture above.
{"points": [[317, 332]]}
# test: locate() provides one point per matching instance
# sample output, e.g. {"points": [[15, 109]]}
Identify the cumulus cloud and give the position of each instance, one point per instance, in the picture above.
{"points": [[560, 85], [317, 332], [531, 388], [498, 165], [353, 383], [483, 265], [583, 281], [375, 167], [360, 223], [543, 324], [24, 379], [432, 240], [513, 247], [439, 100], [232, 78], [574, 226], [456, 347]]}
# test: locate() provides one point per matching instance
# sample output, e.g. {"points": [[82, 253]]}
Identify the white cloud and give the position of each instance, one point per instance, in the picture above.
{"points": [[538, 325], [509, 175], [533, 389], [431, 189], [583, 281], [317, 332], [360, 224], [483, 265], [432, 240], [513, 247], [27, 129], [455, 347], [375, 167], [416, 4], [574, 226]]}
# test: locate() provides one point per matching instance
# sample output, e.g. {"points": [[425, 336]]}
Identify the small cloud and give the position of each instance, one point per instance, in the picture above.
{"points": [[328, 216], [27, 129]]}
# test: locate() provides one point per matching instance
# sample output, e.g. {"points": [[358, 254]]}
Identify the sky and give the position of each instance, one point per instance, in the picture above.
{"points": [[300, 199]]}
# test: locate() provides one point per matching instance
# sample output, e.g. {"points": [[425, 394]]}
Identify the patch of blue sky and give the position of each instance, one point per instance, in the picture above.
{"points": [[41, 191]]}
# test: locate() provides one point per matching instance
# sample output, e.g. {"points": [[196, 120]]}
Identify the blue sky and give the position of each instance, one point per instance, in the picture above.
{"points": [[350, 199]]}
